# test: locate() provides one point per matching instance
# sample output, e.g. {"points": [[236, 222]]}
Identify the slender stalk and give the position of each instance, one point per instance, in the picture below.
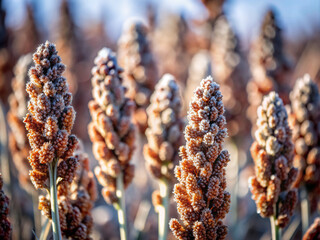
{"points": [[140, 219], [120, 206], [54, 201], [292, 229], [305, 209], [45, 230], [5, 166], [36, 212], [5, 163], [163, 210], [274, 228]]}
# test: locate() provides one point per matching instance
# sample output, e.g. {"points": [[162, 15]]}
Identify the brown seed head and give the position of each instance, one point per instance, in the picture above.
{"points": [[171, 41], [200, 67], [272, 153], [111, 129], [164, 132], [50, 118], [228, 69], [305, 121], [18, 101], [269, 66], [139, 67], [201, 195]]}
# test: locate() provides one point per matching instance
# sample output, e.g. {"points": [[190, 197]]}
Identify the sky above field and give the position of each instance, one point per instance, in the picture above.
{"points": [[298, 18]]}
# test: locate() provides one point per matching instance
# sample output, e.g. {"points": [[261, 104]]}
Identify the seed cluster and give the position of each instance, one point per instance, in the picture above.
{"points": [[272, 152], [140, 70], [50, 118], [69, 44], [170, 39], [18, 101], [305, 121], [269, 67], [111, 130], [164, 132], [201, 196], [28, 36], [200, 68], [229, 71], [5, 226]]}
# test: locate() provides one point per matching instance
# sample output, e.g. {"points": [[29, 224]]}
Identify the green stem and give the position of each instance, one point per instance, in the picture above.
{"points": [[36, 212], [274, 228], [54, 200], [120, 206], [305, 209], [163, 210], [45, 230], [4, 155]]}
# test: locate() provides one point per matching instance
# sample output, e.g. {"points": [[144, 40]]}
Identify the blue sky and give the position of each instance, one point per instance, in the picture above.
{"points": [[298, 18]]}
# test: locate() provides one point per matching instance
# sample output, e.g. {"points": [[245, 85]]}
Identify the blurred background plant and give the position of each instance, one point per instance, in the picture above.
{"points": [[250, 47]]}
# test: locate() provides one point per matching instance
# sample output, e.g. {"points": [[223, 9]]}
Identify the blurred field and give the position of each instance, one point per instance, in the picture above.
{"points": [[186, 40]]}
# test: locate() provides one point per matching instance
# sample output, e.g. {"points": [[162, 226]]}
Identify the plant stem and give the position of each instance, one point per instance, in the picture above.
{"points": [[9, 183], [36, 212], [163, 209], [45, 230], [141, 219], [4, 155], [305, 210], [54, 200], [274, 228], [120, 206]]}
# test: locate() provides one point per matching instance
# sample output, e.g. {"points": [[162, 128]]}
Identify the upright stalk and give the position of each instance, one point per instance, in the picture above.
{"points": [[45, 230], [120, 206], [163, 209], [54, 200], [305, 209], [274, 228], [36, 212], [7, 175], [4, 155]]}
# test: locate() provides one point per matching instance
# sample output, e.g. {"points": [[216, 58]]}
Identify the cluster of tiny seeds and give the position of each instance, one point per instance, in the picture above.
{"points": [[269, 67], [199, 68], [229, 72], [69, 45], [140, 73], [111, 130], [201, 196], [170, 39], [164, 132], [18, 101], [305, 121], [272, 153], [50, 118]]}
